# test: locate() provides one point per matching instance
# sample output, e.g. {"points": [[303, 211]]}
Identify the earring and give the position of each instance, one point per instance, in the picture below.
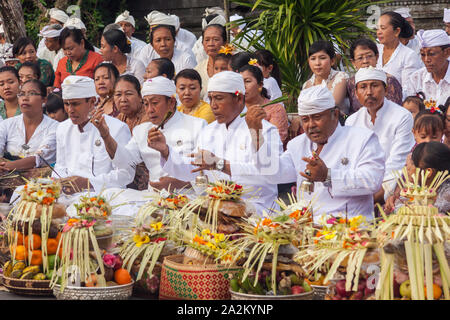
{"points": [[260, 89]]}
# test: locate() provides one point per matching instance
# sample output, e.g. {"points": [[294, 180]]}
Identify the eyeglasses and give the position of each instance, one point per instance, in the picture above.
{"points": [[366, 57], [28, 94]]}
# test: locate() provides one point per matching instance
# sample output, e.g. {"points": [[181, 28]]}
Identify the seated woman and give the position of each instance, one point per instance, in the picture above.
{"points": [[28, 141], [105, 76], [434, 156], [28, 71], [54, 107], [321, 57], [81, 58], [24, 49], [256, 94], [9, 89], [160, 67], [114, 48], [363, 54], [189, 86]]}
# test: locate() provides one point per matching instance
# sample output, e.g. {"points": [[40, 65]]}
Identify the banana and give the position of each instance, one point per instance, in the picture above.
{"points": [[19, 265], [7, 268], [15, 274], [39, 276], [32, 269], [26, 275]]}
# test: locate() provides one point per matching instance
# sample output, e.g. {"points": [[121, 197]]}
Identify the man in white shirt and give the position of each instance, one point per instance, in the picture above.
{"points": [[346, 164], [81, 157], [181, 130], [57, 16], [128, 25], [434, 79], [392, 123], [447, 20], [229, 144], [50, 34]]}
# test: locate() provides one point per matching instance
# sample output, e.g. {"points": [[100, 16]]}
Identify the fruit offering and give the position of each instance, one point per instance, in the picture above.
{"points": [[288, 283], [93, 207]]}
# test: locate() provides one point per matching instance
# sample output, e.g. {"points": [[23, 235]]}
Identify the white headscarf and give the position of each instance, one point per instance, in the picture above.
{"points": [[236, 17], [227, 81], [220, 19], [158, 85], [432, 38], [50, 31], [370, 73], [76, 87], [125, 16], [447, 15], [156, 17], [75, 22], [315, 100], [404, 12], [59, 15]]}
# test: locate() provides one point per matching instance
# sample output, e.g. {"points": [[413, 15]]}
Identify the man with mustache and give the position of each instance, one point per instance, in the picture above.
{"points": [[346, 164], [392, 123], [434, 79]]}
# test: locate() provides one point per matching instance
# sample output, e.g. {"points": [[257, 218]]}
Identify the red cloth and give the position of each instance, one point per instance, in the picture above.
{"points": [[87, 69]]}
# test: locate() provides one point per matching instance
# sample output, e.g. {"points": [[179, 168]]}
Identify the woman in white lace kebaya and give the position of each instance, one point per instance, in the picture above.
{"points": [[321, 57]]}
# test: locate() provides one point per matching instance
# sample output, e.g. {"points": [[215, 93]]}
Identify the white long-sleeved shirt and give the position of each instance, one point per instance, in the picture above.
{"points": [[272, 87], [182, 58], [393, 126], [422, 81], [84, 154], [181, 132], [43, 140], [186, 37], [234, 144], [356, 160], [402, 63]]}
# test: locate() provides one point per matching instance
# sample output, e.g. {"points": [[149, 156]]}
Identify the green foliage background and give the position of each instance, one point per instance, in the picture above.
{"points": [[95, 14]]}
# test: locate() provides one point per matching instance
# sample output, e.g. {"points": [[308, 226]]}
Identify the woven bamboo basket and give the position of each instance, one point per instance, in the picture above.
{"points": [[28, 287], [193, 256], [245, 296], [194, 282]]}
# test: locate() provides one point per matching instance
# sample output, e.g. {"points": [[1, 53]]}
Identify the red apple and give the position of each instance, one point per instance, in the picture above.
{"points": [[340, 289], [361, 285], [297, 289]]}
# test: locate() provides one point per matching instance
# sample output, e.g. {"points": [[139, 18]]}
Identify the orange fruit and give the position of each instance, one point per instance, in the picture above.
{"points": [[21, 253], [58, 237], [36, 242], [36, 257], [122, 276], [437, 292], [19, 238], [52, 246], [91, 281]]}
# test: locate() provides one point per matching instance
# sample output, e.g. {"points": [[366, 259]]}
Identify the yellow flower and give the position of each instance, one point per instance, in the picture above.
{"points": [[253, 62], [219, 237], [140, 240], [329, 234], [156, 226], [206, 232], [211, 246]]}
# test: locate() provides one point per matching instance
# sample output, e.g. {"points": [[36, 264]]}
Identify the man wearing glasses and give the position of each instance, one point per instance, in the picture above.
{"points": [[434, 79], [82, 161]]}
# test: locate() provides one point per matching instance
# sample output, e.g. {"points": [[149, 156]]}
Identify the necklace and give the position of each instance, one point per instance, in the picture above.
{"points": [[80, 65]]}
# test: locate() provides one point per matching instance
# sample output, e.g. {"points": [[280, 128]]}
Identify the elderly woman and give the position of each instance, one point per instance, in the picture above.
{"points": [[256, 94], [394, 57], [25, 50], [105, 76], [114, 48], [162, 41], [363, 54], [321, 59], [189, 86], [214, 37], [80, 58], [9, 89]]}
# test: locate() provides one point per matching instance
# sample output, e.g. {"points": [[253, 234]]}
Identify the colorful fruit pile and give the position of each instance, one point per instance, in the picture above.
{"points": [[288, 283], [365, 291]]}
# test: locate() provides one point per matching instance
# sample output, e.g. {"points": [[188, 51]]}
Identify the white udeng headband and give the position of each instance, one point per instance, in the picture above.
{"points": [[370, 73], [227, 81], [315, 100], [76, 87], [158, 85]]}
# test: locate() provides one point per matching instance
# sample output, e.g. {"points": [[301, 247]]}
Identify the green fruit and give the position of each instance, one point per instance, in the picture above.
{"points": [[269, 283], [259, 289], [234, 285], [246, 285], [15, 274], [49, 274], [306, 286], [39, 276], [295, 280], [405, 289], [242, 290], [51, 261]]}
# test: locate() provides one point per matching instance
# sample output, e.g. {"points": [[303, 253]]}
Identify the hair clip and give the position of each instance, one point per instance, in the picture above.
{"points": [[56, 90]]}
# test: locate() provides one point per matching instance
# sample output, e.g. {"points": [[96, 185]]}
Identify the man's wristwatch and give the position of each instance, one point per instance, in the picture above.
{"points": [[220, 165], [327, 182]]}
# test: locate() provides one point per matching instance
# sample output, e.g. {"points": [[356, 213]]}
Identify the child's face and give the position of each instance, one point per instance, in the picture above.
{"points": [[424, 136], [60, 115], [221, 65], [411, 107]]}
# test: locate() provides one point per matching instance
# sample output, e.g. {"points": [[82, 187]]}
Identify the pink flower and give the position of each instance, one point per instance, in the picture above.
{"points": [[109, 260], [331, 221]]}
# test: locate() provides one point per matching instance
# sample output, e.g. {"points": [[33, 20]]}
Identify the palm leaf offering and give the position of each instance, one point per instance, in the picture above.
{"points": [[422, 231], [263, 238], [275, 101], [339, 242], [31, 218]]}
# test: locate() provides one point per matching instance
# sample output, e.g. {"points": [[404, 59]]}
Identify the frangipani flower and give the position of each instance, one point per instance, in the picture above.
{"points": [[140, 240]]}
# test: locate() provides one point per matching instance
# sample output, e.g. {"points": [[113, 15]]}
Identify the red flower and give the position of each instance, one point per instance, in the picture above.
{"points": [[237, 92]]}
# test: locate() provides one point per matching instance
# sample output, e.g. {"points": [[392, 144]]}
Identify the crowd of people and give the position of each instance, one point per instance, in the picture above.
{"points": [[137, 115]]}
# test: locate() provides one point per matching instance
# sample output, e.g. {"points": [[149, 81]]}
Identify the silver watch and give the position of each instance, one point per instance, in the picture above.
{"points": [[220, 165], [327, 182]]}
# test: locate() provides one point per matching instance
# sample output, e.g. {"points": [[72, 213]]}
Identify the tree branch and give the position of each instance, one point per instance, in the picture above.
{"points": [[40, 6]]}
